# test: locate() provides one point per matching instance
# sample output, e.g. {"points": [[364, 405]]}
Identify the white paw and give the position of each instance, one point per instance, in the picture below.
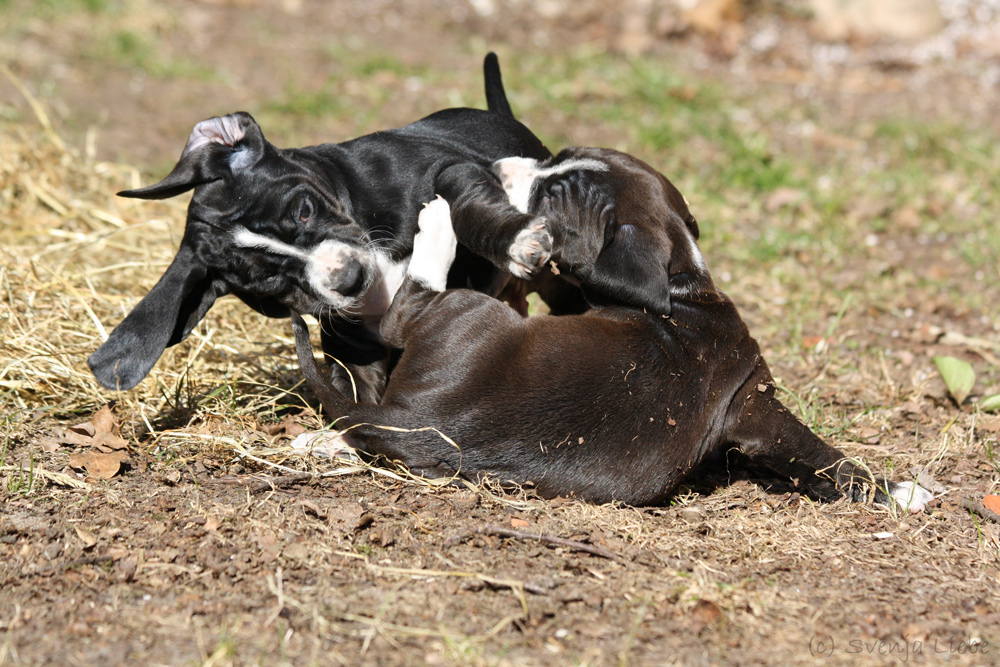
{"points": [[324, 445], [531, 249], [911, 496], [433, 246]]}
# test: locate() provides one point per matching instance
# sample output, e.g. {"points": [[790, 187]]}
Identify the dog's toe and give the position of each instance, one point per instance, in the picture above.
{"points": [[910, 496], [531, 249], [324, 445]]}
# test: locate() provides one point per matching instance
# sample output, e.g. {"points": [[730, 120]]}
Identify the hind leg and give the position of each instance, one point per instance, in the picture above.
{"points": [[769, 434]]}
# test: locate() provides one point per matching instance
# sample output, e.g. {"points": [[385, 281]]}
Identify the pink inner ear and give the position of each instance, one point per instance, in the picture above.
{"points": [[225, 130]]}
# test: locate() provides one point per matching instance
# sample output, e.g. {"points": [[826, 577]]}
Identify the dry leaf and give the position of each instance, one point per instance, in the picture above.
{"points": [[100, 432], [106, 436], [72, 436], [126, 569], [103, 420], [48, 444], [104, 465], [519, 523], [85, 428], [287, 427], [110, 442], [992, 502], [88, 538], [705, 612]]}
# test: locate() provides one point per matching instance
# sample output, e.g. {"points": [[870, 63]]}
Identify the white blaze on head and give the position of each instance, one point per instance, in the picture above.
{"points": [[518, 174], [321, 262], [244, 238]]}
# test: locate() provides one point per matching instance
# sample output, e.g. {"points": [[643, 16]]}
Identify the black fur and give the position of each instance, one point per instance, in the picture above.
{"points": [[617, 404], [364, 194]]}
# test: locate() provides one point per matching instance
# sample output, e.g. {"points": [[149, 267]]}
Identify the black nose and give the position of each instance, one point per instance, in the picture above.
{"points": [[348, 280]]}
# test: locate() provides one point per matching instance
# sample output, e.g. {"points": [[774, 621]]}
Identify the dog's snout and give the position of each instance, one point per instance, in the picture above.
{"points": [[336, 272], [348, 280]]}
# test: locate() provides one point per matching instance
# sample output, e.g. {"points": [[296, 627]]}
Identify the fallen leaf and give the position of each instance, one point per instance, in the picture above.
{"points": [[711, 16], [705, 612], [992, 503], [106, 437], [88, 538], [104, 465], [296, 551], [268, 548], [48, 444], [70, 436], [85, 428], [103, 420], [519, 523], [100, 432], [126, 569], [287, 427], [110, 442], [312, 508], [958, 376]]}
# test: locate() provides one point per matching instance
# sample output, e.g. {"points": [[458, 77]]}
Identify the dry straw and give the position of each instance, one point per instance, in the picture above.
{"points": [[74, 259]]}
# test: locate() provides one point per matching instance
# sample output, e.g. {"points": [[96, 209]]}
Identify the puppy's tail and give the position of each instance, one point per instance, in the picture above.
{"points": [[334, 403], [496, 98]]}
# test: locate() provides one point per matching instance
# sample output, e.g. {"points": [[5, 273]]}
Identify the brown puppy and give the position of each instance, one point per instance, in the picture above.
{"points": [[617, 404]]}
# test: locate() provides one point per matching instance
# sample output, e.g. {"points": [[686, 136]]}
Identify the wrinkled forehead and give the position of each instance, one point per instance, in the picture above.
{"points": [[265, 189], [628, 176]]}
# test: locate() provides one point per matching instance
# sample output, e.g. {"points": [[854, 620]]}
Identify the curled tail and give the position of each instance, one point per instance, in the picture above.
{"points": [[496, 98], [334, 403]]}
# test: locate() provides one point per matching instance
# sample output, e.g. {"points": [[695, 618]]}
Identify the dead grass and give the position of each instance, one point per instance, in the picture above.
{"points": [[355, 568]]}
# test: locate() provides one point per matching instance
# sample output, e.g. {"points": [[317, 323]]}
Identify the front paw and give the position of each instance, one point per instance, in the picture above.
{"points": [[531, 249], [434, 246]]}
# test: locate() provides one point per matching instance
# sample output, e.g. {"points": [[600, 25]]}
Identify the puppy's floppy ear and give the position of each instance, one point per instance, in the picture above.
{"points": [[216, 148], [164, 317], [632, 268]]}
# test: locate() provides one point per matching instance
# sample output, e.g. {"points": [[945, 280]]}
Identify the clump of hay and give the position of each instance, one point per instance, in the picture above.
{"points": [[74, 259]]}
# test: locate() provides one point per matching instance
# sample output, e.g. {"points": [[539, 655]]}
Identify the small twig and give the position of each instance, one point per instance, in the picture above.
{"points": [[259, 485], [979, 508], [492, 529]]}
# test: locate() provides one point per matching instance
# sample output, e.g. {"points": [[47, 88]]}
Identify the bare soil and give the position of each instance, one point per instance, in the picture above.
{"points": [[213, 545]]}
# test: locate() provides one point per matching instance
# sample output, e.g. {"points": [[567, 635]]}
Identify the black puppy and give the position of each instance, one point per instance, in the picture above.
{"points": [[617, 404], [328, 230]]}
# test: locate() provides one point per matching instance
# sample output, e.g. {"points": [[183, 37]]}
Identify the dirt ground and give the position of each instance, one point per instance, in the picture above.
{"points": [[177, 528]]}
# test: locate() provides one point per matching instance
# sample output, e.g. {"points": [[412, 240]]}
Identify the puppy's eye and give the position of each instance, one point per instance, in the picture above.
{"points": [[305, 210]]}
